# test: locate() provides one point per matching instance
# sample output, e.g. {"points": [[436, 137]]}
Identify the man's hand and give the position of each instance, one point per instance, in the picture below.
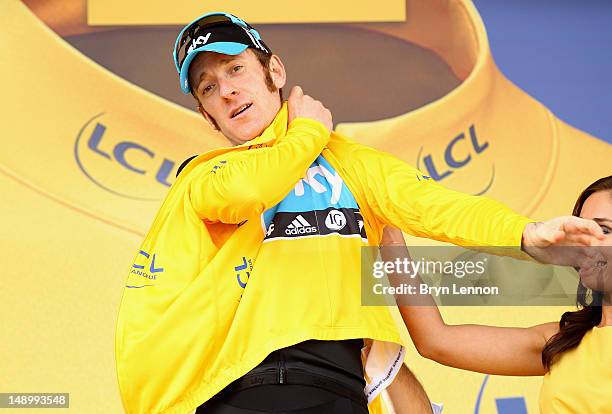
{"points": [[565, 240], [304, 106], [563, 231]]}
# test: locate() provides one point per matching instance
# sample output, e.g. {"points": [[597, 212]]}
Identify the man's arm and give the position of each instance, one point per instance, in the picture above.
{"points": [[255, 180], [403, 197], [407, 394]]}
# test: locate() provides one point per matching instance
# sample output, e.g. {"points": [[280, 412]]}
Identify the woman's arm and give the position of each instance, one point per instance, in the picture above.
{"points": [[486, 349]]}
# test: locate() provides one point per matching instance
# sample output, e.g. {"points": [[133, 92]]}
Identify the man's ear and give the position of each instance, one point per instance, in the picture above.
{"points": [[277, 71], [209, 118]]}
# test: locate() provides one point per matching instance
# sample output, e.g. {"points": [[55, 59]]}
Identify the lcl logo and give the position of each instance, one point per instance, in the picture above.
{"points": [[247, 267], [458, 154], [504, 405], [120, 165]]}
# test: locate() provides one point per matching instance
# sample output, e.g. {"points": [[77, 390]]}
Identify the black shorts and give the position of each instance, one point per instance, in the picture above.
{"points": [[281, 398]]}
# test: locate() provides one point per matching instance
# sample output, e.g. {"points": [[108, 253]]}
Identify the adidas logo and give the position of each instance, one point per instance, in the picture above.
{"points": [[299, 225]]}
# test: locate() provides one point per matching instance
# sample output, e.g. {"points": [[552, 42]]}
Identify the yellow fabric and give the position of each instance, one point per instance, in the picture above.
{"points": [[201, 330], [581, 380], [67, 241], [142, 12]]}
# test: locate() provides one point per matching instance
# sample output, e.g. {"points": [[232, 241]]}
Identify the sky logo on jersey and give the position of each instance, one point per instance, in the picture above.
{"points": [[120, 165], [332, 180], [459, 153], [320, 204], [320, 188]]}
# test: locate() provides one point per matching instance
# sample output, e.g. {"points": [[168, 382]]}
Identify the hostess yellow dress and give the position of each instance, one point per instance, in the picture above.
{"points": [[580, 382]]}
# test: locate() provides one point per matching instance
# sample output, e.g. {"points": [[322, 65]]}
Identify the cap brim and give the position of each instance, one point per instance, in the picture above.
{"points": [[227, 48]]}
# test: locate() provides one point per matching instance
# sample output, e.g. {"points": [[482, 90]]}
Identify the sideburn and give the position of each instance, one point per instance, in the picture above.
{"points": [[270, 84]]}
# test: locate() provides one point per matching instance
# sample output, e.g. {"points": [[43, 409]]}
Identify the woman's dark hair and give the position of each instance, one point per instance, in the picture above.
{"points": [[574, 325]]}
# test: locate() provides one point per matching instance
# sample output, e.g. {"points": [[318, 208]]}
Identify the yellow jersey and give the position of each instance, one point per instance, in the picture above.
{"points": [[223, 277]]}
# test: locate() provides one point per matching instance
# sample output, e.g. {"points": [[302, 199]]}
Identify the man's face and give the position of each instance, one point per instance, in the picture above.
{"points": [[233, 93]]}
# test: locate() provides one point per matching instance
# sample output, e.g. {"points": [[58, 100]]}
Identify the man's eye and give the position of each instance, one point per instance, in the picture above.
{"points": [[207, 89], [606, 230], [237, 68]]}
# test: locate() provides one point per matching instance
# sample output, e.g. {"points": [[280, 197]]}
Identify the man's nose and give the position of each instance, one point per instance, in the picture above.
{"points": [[227, 89]]}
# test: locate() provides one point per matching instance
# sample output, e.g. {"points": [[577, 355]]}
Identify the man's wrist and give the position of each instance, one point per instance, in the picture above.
{"points": [[527, 239]]}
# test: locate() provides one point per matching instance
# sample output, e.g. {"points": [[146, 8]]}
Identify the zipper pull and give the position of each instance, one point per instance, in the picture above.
{"points": [[281, 367], [281, 375]]}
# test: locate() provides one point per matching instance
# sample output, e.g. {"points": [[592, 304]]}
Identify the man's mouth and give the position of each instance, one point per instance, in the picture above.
{"points": [[241, 109]]}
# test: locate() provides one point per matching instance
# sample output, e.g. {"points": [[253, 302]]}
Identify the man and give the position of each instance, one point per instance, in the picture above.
{"points": [[240, 115], [266, 239]]}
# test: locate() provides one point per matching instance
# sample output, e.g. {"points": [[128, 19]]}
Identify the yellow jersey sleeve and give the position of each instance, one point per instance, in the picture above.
{"points": [[231, 188], [402, 196]]}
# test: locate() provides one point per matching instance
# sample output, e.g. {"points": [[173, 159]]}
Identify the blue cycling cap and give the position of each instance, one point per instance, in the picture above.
{"points": [[213, 32]]}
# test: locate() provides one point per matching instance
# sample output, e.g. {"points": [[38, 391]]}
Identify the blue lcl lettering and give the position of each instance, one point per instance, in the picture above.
{"points": [[453, 159], [120, 150]]}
